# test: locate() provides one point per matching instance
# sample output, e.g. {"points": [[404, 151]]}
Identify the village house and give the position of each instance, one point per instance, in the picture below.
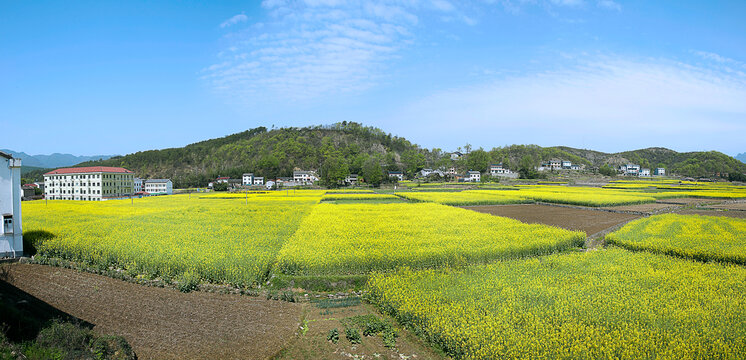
{"points": [[396, 174], [473, 176], [427, 172], [158, 186], [247, 179], [304, 177], [574, 167], [451, 171], [566, 164], [92, 183], [137, 185], [28, 192], [11, 234], [456, 155], [555, 164], [498, 170], [644, 173], [222, 179], [258, 180], [630, 169], [660, 172], [351, 179]]}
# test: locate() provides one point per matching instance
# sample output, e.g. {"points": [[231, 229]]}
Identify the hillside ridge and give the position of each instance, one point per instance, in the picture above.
{"points": [[348, 147]]}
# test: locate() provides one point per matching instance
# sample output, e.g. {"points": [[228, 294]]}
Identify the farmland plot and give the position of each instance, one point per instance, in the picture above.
{"points": [[219, 240], [358, 238], [602, 304]]}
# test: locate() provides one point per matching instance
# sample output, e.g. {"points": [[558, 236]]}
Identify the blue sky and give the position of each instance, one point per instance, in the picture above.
{"points": [[113, 77]]}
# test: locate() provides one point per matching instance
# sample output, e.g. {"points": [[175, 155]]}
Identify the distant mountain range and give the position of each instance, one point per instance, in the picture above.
{"points": [[53, 161], [741, 157]]}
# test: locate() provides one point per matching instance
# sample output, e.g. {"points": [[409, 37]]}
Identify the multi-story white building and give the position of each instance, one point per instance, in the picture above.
{"points": [[473, 176], [11, 234], [258, 180], [304, 177], [159, 186], [566, 164], [247, 179], [644, 172], [630, 169], [93, 183], [660, 172], [137, 185]]}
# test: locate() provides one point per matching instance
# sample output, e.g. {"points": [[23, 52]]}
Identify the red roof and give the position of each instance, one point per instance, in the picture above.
{"points": [[223, 178], [32, 185], [89, 169]]}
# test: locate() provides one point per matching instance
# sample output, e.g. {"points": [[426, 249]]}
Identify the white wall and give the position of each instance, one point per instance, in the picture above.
{"points": [[10, 203]]}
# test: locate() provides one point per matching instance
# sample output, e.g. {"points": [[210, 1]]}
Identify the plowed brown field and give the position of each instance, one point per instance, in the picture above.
{"points": [[165, 323]]}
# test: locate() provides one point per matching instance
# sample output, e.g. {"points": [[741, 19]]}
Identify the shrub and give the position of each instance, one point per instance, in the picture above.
{"points": [[333, 336], [353, 335], [187, 281]]}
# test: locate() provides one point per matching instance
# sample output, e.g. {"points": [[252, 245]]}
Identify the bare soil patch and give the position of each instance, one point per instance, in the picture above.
{"points": [[653, 208], [689, 201], [734, 213], [589, 221], [739, 205], [164, 323]]}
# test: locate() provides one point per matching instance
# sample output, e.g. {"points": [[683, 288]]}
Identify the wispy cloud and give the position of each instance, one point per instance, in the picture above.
{"points": [[609, 4], [312, 48], [602, 102], [234, 20]]}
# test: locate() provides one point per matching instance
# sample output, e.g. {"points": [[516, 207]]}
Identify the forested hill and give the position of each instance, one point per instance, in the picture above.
{"points": [[272, 153], [351, 148], [697, 163]]}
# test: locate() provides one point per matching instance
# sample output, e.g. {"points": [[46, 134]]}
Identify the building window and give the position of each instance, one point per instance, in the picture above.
{"points": [[8, 224]]}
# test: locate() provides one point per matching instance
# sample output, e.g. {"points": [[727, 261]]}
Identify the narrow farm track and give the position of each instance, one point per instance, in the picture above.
{"points": [[164, 323]]}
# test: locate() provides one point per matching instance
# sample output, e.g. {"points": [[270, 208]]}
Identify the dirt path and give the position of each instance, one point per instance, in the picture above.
{"points": [[164, 323], [590, 221]]}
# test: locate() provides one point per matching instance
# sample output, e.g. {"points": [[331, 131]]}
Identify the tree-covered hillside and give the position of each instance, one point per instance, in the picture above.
{"points": [[351, 148], [340, 148]]}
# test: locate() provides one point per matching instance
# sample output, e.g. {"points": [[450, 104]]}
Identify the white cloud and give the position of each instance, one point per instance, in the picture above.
{"points": [[234, 20], [610, 4], [312, 48], [609, 103], [567, 2]]}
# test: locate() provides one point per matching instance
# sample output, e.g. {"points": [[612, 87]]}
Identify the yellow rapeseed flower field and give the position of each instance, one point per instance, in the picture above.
{"points": [[346, 196], [692, 236], [221, 240], [358, 238], [606, 304]]}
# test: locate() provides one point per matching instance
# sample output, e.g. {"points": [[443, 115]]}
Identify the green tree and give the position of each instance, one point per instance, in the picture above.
{"points": [[413, 161], [334, 171], [373, 172], [607, 170], [526, 168], [478, 160]]}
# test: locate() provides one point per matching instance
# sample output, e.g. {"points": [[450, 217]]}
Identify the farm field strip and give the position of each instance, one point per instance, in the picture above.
{"points": [[386, 236], [332, 197], [601, 304], [704, 238], [216, 240], [466, 197]]}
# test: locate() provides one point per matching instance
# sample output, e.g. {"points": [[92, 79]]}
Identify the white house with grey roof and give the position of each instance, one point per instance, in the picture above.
{"points": [[158, 186], [11, 233]]}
